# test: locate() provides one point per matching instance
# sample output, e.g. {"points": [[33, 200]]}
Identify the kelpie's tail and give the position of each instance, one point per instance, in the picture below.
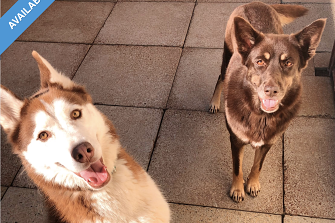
{"points": [[287, 13]]}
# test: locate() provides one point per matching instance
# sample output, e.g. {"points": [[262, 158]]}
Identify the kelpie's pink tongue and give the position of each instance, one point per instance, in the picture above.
{"points": [[96, 174], [269, 103]]}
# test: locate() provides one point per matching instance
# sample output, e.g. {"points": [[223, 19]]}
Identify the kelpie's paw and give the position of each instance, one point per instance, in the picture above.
{"points": [[237, 194], [214, 108], [253, 187]]}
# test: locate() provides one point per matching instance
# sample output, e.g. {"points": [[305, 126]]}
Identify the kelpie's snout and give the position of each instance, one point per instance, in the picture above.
{"points": [[271, 90], [83, 152]]}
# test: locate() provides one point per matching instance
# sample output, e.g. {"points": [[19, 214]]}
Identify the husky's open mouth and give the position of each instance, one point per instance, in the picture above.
{"points": [[96, 175], [269, 105]]}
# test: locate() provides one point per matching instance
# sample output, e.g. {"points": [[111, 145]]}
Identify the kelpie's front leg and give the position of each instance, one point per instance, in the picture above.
{"points": [[253, 185], [237, 188], [215, 102]]}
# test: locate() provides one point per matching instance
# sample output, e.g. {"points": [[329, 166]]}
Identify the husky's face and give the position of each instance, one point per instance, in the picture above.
{"points": [[58, 132]]}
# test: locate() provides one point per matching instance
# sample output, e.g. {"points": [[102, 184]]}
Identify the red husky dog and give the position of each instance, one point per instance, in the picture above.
{"points": [[72, 153]]}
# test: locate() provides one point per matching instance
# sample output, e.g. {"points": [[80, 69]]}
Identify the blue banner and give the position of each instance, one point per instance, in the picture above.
{"points": [[18, 18]]}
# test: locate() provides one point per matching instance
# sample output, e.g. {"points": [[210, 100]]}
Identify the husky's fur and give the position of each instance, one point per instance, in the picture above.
{"points": [[45, 134]]}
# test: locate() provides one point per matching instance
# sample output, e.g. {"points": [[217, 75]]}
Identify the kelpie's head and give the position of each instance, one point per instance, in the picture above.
{"points": [[58, 133], [275, 61]]}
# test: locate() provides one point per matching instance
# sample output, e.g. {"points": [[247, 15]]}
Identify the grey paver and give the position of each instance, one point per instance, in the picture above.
{"points": [[19, 70], [316, 11], [308, 1], [137, 128], [156, 0], [195, 80], [129, 75], [209, 24], [22, 180], [322, 60], [75, 22], [317, 97], [194, 214], [6, 5], [3, 190], [310, 69], [192, 163], [90, 0], [309, 164], [10, 163], [298, 219], [242, 1], [23, 205], [147, 23]]}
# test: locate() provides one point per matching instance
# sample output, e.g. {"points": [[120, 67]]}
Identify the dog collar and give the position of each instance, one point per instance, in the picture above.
{"points": [[114, 170]]}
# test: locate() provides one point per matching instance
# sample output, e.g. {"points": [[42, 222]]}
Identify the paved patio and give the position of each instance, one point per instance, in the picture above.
{"points": [[151, 67]]}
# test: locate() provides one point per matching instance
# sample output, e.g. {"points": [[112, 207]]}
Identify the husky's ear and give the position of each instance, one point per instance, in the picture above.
{"points": [[49, 75], [309, 38], [10, 109], [246, 36]]}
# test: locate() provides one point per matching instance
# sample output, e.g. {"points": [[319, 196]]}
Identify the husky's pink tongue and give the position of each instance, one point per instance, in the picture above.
{"points": [[269, 103], [96, 175]]}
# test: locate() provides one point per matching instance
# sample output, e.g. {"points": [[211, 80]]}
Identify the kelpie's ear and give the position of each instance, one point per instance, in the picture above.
{"points": [[49, 75], [309, 39], [246, 36], [10, 109]]}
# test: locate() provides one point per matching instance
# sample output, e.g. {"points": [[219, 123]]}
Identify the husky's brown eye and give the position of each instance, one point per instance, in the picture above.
{"points": [[260, 63], [288, 64], [75, 114], [43, 136]]}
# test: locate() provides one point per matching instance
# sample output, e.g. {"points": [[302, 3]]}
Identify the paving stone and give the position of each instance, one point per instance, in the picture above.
{"points": [[6, 5], [137, 128], [90, 0], [23, 205], [242, 1], [310, 69], [309, 164], [309, 1], [192, 163], [3, 191], [74, 22], [147, 23], [298, 219], [209, 24], [129, 75], [196, 78], [156, 1], [10, 163], [22, 180], [19, 70], [317, 97], [316, 11], [188, 213], [322, 60]]}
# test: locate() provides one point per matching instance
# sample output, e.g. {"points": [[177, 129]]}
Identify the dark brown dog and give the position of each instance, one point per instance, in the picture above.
{"points": [[261, 83]]}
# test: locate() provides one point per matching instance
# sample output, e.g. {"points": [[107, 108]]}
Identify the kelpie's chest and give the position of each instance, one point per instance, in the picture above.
{"points": [[254, 128]]}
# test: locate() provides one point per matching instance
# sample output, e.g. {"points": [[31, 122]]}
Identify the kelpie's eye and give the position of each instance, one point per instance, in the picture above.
{"points": [[43, 136], [288, 63], [260, 62], [75, 114]]}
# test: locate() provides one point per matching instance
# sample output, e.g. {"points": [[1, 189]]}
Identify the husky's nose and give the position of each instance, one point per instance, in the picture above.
{"points": [[271, 90], [83, 152]]}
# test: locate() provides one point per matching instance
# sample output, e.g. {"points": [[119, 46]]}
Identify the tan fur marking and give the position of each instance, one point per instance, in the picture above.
{"points": [[267, 55], [131, 164], [44, 71], [283, 56]]}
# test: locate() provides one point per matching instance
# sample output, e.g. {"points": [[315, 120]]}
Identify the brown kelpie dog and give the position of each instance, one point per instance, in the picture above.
{"points": [[261, 78]]}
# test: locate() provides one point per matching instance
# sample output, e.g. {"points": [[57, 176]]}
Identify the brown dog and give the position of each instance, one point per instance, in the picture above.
{"points": [[260, 75]]}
